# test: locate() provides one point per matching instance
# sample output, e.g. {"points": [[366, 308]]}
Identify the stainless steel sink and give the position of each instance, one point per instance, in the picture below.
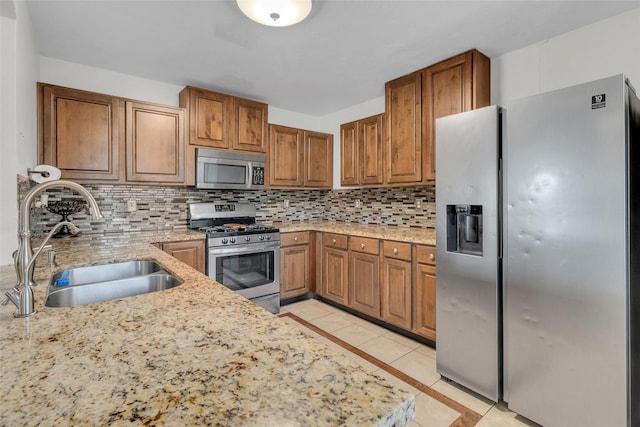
{"points": [[97, 283]]}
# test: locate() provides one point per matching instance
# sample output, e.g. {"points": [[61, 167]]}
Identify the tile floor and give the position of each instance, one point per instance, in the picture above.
{"points": [[411, 357]]}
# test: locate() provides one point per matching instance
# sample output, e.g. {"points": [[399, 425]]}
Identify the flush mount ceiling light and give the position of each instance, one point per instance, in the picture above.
{"points": [[276, 13]]}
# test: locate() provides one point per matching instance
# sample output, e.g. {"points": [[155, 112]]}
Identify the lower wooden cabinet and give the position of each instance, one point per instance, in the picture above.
{"points": [[396, 284], [335, 267], [190, 252], [296, 264], [364, 275], [424, 291]]}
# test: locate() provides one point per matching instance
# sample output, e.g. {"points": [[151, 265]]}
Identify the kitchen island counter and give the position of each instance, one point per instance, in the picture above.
{"points": [[196, 354]]}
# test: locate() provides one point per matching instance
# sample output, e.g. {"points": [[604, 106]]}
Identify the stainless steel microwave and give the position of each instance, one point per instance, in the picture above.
{"points": [[229, 170]]}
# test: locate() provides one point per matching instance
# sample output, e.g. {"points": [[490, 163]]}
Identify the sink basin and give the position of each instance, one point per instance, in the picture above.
{"points": [[106, 282]]}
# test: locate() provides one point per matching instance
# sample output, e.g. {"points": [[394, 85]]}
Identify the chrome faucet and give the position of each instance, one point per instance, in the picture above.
{"points": [[24, 259]]}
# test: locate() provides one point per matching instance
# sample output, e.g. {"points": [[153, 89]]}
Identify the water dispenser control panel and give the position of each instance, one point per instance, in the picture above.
{"points": [[464, 229]]}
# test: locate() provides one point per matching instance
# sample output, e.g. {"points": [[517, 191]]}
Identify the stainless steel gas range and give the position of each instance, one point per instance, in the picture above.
{"points": [[242, 255]]}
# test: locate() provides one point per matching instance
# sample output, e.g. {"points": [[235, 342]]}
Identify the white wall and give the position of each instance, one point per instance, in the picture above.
{"points": [[18, 74], [599, 50]]}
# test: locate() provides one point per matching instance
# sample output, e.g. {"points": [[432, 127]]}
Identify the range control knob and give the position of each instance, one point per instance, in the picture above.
{"points": [[261, 237], [247, 238], [232, 240], [268, 236], [224, 241]]}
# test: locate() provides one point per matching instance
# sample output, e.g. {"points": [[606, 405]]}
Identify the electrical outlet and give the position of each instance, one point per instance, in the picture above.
{"points": [[132, 206], [418, 203], [358, 204], [285, 203]]}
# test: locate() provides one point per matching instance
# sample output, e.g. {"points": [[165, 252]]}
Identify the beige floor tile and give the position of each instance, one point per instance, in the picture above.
{"points": [[332, 322], [355, 334], [384, 349], [427, 350], [413, 423], [463, 395], [418, 366], [431, 413], [401, 339], [500, 416], [307, 311]]}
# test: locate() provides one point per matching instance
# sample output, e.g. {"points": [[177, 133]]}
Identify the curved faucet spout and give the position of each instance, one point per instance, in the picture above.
{"points": [[25, 258]]}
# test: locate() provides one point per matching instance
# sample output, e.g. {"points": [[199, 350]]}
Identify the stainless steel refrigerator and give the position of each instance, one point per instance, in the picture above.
{"points": [[538, 248]]}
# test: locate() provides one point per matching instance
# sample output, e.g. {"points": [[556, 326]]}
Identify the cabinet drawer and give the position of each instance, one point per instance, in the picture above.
{"points": [[396, 250], [426, 255], [364, 245], [296, 238], [338, 241]]}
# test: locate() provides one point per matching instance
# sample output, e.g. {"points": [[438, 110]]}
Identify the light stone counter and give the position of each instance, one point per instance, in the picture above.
{"points": [[197, 354], [424, 236]]}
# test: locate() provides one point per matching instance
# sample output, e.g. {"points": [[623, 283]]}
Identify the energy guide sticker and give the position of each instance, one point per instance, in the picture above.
{"points": [[598, 101]]}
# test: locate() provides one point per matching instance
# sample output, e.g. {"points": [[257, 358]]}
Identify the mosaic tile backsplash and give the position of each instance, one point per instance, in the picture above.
{"points": [[161, 207]]}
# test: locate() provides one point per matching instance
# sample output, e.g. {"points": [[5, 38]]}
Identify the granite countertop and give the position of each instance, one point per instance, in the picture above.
{"points": [[191, 355], [424, 236]]}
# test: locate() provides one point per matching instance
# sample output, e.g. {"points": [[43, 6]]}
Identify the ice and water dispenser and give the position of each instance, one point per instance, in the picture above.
{"points": [[464, 229]]}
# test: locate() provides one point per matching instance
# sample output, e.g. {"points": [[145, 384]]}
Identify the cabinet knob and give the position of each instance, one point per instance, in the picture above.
{"points": [[432, 256], [395, 251], [295, 238], [333, 241], [361, 245]]}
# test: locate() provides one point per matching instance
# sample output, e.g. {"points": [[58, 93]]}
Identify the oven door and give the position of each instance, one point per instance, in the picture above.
{"points": [[251, 270]]}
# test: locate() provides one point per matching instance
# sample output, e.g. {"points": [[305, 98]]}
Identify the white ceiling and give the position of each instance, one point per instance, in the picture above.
{"points": [[340, 56]]}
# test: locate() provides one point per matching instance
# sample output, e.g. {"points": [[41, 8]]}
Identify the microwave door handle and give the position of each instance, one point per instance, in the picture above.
{"points": [[249, 173]]}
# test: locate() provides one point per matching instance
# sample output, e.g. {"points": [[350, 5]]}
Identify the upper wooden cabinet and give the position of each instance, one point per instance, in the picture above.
{"points": [[300, 158], [361, 152], [154, 143], [79, 133], [459, 84], [92, 137], [209, 117], [415, 101], [403, 130], [223, 122]]}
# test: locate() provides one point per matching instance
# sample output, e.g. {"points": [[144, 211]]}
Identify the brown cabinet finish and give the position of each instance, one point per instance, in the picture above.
{"points": [[396, 292], [335, 268], [318, 160], [190, 252], [80, 133], [403, 130], [299, 158], [286, 156], [154, 143], [364, 275], [424, 292], [349, 154], [458, 84], [250, 130], [209, 117], [297, 271], [361, 147]]}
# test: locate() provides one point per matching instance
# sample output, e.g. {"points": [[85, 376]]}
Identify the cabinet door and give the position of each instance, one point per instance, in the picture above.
{"points": [[403, 132], [295, 269], [335, 275], [286, 156], [349, 163], [396, 292], [458, 84], [155, 143], [318, 160], [80, 133], [364, 283], [250, 125], [209, 118], [190, 252], [424, 301], [370, 143]]}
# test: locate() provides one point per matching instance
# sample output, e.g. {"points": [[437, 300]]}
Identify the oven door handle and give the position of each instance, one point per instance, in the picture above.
{"points": [[245, 249]]}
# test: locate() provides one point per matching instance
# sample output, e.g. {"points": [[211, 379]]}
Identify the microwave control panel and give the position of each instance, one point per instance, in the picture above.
{"points": [[258, 175]]}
